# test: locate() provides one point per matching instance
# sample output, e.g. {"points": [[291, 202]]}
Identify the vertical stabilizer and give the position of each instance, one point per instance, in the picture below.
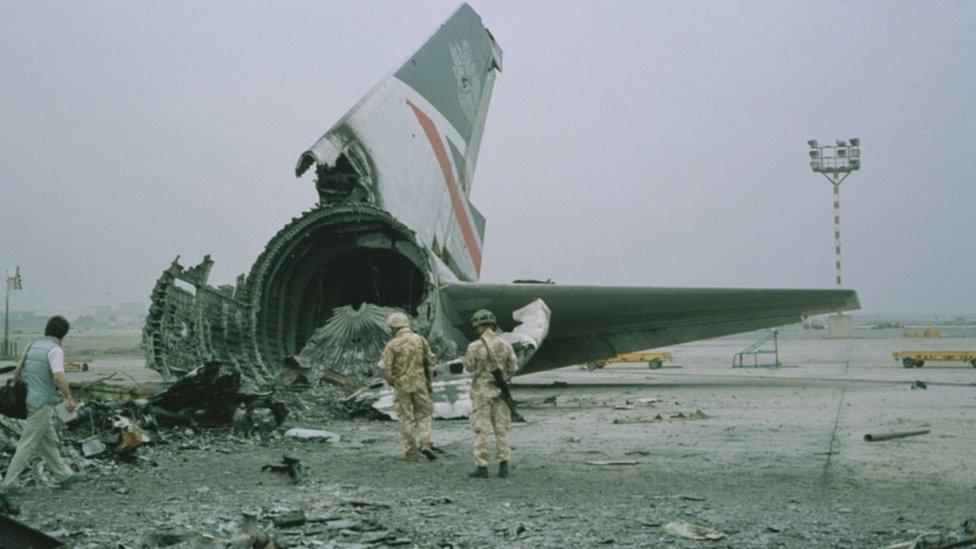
{"points": [[455, 72], [410, 146]]}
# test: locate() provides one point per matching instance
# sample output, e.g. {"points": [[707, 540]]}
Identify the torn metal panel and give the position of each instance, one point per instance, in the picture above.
{"points": [[451, 397], [212, 395], [531, 330], [350, 343], [191, 323]]}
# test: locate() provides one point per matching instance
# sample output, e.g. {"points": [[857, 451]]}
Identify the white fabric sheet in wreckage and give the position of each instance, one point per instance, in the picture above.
{"points": [[451, 390]]}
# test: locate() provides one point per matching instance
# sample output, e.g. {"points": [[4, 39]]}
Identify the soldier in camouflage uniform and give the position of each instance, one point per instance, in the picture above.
{"points": [[408, 365], [489, 410]]}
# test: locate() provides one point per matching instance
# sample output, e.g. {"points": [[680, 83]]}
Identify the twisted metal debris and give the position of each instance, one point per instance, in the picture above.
{"points": [[331, 256], [350, 343]]}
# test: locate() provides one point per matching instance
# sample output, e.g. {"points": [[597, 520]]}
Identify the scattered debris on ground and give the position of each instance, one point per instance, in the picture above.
{"points": [[75, 366], [288, 466], [289, 519], [302, 433], [890, 436], [626, 420], [696, 415], [211, 395], [258, 540], [683, 529], [234, 485], [963, 536]]}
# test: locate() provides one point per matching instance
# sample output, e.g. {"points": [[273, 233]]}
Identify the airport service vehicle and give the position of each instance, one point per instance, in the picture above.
{"points": [[916, 359], [653, 359]]}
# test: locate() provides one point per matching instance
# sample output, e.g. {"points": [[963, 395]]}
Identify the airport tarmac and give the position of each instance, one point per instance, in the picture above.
{"points": [[768, 457]]}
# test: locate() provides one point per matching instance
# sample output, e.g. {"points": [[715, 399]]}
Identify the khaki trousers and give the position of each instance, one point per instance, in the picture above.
{"points": [[38, 436], [414, 406], [490, 415]]}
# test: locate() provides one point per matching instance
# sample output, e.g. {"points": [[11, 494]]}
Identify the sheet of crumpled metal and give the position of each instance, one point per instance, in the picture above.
{"points": [[451, 396], [531, 331]]}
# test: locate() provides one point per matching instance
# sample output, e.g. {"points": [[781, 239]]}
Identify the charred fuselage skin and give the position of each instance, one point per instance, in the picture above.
{"points": [[329, 257]]}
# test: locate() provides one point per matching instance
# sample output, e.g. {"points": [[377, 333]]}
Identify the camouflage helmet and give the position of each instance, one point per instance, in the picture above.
{"points": [[397, 320], [483, 317]]}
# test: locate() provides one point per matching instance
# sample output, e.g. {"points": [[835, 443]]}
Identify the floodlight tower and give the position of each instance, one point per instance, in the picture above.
{"points": [[836, 162], [7, 349]]}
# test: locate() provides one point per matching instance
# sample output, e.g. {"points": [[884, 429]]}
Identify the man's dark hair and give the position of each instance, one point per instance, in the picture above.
{"points": [[57, 327]]}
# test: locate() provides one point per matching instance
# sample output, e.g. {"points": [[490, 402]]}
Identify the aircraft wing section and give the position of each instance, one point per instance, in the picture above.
{"points": [[592, 322]]}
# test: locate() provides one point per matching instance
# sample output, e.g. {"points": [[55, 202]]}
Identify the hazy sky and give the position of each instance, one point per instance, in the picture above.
{"points": [[631, 143]]}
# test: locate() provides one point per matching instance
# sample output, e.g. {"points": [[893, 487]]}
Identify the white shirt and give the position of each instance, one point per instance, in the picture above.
{"points": [[55, 357]]}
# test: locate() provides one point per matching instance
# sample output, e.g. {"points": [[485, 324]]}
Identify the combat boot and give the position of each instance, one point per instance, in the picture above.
{"points": [[480, 472], [503, 469], [410, 455], [429, 454], [7, 505]]}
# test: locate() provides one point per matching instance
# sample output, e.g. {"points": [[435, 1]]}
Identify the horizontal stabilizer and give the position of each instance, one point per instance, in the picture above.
{"points": [[593, 322]]}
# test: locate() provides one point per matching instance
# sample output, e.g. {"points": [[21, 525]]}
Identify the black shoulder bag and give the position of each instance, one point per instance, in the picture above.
{"points": [[13, 395]]}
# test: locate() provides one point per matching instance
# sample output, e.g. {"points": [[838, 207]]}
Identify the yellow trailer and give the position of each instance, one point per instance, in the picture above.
{"points": [[931, 333], [916, 359], [653, 359]]}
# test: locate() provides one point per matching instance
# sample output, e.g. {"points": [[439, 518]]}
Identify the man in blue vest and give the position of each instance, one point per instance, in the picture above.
{"points": [[43, 371]]}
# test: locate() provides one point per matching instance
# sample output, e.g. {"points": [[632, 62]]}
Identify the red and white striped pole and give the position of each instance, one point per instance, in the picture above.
{"points": [[836, 182], [836, 163]]}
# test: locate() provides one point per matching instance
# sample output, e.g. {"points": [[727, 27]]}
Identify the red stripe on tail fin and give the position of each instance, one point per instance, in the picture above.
{"points": [[452, 185]]}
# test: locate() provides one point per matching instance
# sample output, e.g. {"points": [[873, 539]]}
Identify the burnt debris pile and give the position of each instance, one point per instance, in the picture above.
{"points": [[211, 396]]}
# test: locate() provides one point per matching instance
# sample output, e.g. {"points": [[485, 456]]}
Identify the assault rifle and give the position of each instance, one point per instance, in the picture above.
{"points": [[507, 395], [429, 372]]}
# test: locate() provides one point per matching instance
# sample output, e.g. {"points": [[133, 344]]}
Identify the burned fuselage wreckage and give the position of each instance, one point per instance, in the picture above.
{"points": [[394, 229], [392, 225]]}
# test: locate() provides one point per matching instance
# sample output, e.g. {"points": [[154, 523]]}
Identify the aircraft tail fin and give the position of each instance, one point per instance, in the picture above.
{"points": [[454, 73], [410, 146]]}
